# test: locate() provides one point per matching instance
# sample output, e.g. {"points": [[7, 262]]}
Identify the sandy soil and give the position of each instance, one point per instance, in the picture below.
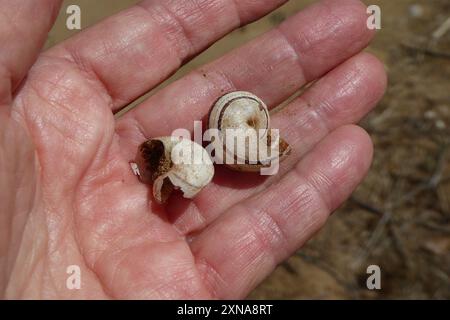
{"points": [[399, 218]]}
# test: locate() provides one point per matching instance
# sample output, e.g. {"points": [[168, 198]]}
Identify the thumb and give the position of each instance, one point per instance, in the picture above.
{"points": [[23, 30]]}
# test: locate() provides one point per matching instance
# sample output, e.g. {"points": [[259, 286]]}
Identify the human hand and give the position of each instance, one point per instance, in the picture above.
{"points": [[68, 196]]}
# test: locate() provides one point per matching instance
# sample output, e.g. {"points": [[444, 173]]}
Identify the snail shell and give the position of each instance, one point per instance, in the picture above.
{"points": [[174, 163], [248, 117]]}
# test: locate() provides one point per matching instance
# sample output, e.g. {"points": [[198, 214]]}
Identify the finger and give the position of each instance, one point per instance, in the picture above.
{"points": [[134, 50], [272, 66], [343, 96], [23, 30], [245, 244]]}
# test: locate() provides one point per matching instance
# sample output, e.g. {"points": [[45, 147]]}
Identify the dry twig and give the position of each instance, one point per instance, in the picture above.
{"points": [[427, 51], [386, 215]]}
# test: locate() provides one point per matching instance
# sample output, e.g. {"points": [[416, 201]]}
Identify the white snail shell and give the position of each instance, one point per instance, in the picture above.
{"points": [[174, 163], [247, 114]]}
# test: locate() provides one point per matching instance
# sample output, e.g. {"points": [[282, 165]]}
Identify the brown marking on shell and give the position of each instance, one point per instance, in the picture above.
{"points": [[284, 148]]}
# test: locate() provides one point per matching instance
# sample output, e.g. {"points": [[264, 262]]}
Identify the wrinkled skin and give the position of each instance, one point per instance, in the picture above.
{"points": [[68, 196]]}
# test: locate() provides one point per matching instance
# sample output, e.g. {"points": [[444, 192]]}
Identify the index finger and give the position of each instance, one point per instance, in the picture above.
{"points": [[133, 51]]}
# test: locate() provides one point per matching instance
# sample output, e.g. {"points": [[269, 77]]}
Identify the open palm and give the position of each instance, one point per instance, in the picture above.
{"points": [[68, 196]]}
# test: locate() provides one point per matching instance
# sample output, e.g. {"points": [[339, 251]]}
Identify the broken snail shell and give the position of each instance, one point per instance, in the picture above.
{"points": [[174, 163], [248, 118]]}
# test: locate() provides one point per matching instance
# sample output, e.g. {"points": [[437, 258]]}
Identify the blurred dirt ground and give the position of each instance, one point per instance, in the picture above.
{"points": [[399, 218]]}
